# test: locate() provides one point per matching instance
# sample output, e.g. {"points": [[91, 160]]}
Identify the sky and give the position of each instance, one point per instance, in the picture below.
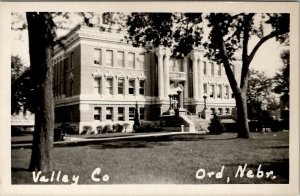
{"points": [[267, 58]]}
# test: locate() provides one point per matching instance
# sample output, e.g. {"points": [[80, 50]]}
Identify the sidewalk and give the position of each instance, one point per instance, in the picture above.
{"points": [[77, 140]]}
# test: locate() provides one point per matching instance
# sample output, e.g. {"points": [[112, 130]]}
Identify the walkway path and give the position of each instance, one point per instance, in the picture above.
{"points": [[81, 140]]}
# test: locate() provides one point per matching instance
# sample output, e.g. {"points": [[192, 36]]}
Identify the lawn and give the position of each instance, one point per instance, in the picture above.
{"points": [[168, 160]]}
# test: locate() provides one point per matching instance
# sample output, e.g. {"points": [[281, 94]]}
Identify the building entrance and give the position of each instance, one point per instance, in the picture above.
{"points": [[174, 101], [176, 90]]}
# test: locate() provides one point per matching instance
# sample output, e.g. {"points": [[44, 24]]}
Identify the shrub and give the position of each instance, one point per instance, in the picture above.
{"points": [[87, 129], [114, 128], [74, 129], [147, 127], [108, 128], [215, 125], [119, 128], [99, 128]]}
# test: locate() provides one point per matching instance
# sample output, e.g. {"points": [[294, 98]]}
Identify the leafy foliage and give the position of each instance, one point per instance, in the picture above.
{"points": [[228, 40], [22, 88], [179, 30], [154, 28], [16, 67], [282, 79], [259, 93], [215, 125]]}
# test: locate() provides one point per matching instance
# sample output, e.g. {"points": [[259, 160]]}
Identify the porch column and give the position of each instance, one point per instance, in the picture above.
{"points": [[186, 83], [160, 76], [195, 78], [200, 74], [222, 91], [166, 74]]}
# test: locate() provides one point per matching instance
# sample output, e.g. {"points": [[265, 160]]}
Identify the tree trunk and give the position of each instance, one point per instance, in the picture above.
{"points": [[242, 115], [40, 51]]}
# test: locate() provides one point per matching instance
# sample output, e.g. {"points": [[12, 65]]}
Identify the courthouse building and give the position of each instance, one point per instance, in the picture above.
{"points": [[99, 78]]}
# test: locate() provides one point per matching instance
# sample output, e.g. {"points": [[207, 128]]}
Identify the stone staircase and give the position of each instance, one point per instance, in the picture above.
{"points": [[200, 123]]}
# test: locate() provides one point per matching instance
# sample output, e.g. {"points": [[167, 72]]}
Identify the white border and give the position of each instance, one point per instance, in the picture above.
{"points": [[265, 189]]}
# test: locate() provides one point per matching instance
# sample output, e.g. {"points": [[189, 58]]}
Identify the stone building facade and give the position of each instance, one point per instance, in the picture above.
{"points": [[98, 78]]}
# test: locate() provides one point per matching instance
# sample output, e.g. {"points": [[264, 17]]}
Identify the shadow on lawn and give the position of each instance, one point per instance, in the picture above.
{"points": [[142, 142], [14, 169], [279, 167]]}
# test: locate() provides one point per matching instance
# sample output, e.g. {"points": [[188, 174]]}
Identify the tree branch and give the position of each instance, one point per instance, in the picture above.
{"points": [[263, 40], [245, 66]]}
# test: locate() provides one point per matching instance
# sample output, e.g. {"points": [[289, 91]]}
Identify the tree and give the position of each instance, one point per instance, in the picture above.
{"points": [[16, 67], [215, 125], [42, 36], [282, 80], [259, 93], [228, 38], [21, 88]]}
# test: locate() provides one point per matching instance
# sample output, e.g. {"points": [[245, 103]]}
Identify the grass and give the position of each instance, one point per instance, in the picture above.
{"points": [[168, 160]]}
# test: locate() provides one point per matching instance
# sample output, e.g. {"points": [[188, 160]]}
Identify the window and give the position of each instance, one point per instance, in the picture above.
{"points": [[220, 111], [109, 112], [219, 69], [121, 114], [204, 68], [142, 61], [213, 110], [120, 86], [219, 90], [120, 59], [205, 88], [54, 79], [97, 56], [142, 113], [131, 113], [142, 87], [227, 110], [109, 86], [181, 62], [226, 92], [109, 58], [97, 112], [58, 78], [131, 59], [97, 86], [71, 87], [72, 61], [212, 92], [212, 68], [131, 86]]}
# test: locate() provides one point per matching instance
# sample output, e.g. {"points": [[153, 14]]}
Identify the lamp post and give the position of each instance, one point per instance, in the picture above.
{"points": [[204, 97], [170, 96]]}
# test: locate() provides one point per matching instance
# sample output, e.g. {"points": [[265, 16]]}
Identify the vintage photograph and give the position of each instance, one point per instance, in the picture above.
{"points": [[150, 97]]}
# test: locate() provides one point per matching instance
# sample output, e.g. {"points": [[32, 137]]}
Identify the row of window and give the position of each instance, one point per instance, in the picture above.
{"points": [[121, 86], [120, 115], [212, 69], [108, 59], [177, 65], [220, 111], [219, 91]]}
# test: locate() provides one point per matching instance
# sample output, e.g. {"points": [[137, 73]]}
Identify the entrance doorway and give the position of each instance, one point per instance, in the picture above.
{"points": [[174, 102]]}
